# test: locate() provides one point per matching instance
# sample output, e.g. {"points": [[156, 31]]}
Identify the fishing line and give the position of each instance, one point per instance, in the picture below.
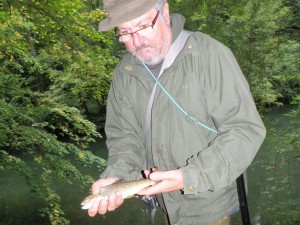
{"points": [[176, 103]]}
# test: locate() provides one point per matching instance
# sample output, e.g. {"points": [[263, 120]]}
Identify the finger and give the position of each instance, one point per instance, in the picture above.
{"points": [[146, 173], [102, 209], [92, 211], [154, 169], [115, 201], [158, 176], [165, 175], [119, 199], [111, 203], [96, 187], [155, 189]]}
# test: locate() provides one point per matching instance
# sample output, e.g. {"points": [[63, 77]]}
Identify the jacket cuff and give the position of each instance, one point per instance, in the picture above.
{"points": [[191, 180]]}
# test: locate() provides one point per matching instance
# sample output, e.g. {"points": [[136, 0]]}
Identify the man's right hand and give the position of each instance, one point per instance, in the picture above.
{"points": [[103, 206]]}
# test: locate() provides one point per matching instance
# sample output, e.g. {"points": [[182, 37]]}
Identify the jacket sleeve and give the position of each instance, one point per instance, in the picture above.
{"points": [[240, 128], [124, 141]]}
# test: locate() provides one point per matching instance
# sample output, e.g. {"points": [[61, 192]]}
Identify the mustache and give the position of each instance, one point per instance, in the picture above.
{"points": [[142, 47]]}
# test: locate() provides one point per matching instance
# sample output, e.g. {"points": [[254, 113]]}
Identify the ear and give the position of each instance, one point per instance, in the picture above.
{"points": [[166, 13]]}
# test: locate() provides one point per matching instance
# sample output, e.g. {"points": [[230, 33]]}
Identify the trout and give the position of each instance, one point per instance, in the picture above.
{"points": [[127, 188]]}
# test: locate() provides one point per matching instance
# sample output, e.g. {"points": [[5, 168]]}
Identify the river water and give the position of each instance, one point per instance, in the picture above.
{"points": [[273, 181]]}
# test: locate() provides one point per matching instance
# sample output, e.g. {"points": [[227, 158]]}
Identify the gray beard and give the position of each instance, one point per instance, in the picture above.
{"points": [[154, 60], [157, 56]]}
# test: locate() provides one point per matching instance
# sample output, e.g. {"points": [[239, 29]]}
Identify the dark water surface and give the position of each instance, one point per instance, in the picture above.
{"points": [[270, 185]]}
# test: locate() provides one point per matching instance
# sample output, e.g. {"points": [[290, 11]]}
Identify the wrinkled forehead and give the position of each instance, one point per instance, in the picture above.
{"points": [[139, 21]]}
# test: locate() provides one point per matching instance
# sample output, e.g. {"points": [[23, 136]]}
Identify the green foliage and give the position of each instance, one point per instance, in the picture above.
{"points": [[52, 59], [255, 31], [39, 137], [56, 46], [292, 27], [285, 72]]}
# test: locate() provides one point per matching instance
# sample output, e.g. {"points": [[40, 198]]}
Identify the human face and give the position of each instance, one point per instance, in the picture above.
{"points": [[143, 31], [151, 48]]}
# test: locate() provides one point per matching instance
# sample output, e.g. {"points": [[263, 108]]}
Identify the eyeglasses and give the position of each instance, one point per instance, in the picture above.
{"points": [[145, 30]]}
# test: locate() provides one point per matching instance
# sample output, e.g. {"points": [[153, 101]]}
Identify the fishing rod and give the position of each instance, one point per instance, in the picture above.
{"points": [[243, 200]]}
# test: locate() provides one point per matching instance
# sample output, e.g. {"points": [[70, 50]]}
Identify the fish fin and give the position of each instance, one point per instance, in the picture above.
{"points": [[119, 181]]}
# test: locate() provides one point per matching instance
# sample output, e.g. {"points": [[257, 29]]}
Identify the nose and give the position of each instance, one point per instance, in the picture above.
{"points": [[137, 40]]}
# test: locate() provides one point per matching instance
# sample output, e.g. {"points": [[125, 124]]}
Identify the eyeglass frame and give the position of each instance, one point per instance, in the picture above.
{"points": [[150, 25]]}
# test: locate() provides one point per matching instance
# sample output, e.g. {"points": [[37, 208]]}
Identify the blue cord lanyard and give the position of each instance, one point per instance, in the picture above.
{"points": [[176, 103]]}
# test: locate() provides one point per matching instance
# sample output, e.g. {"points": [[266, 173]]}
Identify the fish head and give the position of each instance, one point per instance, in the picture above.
{"points": [[89, 200], [86, 205]]}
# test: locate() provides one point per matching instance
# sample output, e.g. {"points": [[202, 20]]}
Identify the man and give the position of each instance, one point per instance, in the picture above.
{"points": [[198, 165]]}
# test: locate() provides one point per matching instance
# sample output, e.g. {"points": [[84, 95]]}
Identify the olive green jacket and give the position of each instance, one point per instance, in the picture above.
{"points": [[207, 82]]}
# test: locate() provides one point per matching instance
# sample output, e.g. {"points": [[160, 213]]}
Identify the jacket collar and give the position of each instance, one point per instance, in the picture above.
{"points": [[177, 23]]}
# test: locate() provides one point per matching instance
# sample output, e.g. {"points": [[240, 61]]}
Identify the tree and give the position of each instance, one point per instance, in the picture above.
{"points": [[39, 138], [56, 46], [252, 30], [50, 47]]}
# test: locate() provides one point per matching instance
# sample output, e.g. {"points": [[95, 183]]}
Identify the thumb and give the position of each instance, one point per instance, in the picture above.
{"points": [[146, 174], [157, 176]]}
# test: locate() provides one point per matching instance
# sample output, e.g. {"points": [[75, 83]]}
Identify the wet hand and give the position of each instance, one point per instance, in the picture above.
{"points": [[104, 206], [171, 180]]}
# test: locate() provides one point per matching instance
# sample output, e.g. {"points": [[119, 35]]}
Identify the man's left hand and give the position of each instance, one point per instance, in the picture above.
{"points": [[171, 180]]}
